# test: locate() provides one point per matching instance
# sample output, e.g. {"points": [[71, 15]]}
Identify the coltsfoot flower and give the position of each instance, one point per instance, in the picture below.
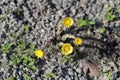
{"points": [[66, 49], [78, 41], [39, 53], [67, 22]]}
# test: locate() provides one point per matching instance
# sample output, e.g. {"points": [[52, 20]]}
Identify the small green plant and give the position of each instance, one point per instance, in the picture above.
{"points": [[19, 12], [10, 78], [82, 22], [15, 59], [26, 77], [31, 66], [6, 48], [13, 35], [50, 75], [26, 27], [109, 8], [109, 74], [32, 49], [118, 9], [109, 15], [8, 11], [87, 23], [29, 62], [21, 44], [25, 59], [1, 18], [49, 49], [101, 29], [66, 59]]}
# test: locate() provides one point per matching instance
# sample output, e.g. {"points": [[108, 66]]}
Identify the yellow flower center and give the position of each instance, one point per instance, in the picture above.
{"points": [[67, 22], [67, 48]]}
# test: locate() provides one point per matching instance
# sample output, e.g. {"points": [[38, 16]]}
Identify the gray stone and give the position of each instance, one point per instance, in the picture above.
{"points": [[118, 79], [60, 12], [70, 71], [79, 70], [73, 10], [67, 77]]}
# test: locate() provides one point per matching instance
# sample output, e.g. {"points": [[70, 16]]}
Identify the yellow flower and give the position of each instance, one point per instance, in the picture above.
{"points": [[39, 53], [67, 22], [67, 49], [78, 41]]}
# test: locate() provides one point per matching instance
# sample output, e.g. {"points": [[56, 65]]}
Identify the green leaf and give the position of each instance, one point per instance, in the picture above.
{"points": [[90, 22], [112, 17], [32, 49], [26, 27], [109, 75], [109, 16], [118, 9], [31, 60], [21, 44], [109, 8], [50, 75], [8, 11], [81, 22], [26, 77], [13, 35], [25, 59], [101, 29], [10, 78], [48, 51], [1, 18], [15, 59], [31, 63], [32, 67], [6, 48], [19, 12], [66, 59]]}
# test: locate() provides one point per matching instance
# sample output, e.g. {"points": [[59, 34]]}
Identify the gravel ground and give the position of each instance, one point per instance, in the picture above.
{"points": [[43, 18]]}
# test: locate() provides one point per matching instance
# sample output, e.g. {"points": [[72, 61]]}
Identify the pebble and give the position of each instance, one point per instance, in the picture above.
{"points": [[70, 72], [60, 12], [118, 79], [104, 1], [73, 10], [79, 70], [67, 77]]}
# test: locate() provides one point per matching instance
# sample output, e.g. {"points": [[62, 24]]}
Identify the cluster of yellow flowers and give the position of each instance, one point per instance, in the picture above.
{"points": [[67, 48]]}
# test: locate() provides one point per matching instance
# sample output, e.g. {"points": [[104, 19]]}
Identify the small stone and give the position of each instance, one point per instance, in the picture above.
{"points": [[73, 10], [118, 79], [67, 77], [98, 36], [104, 1], [70, 72], [79, 70], [111, 3], [60, 12]]}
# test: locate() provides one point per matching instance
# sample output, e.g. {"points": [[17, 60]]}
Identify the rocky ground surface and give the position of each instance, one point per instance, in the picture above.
{"points": [[43, 18]]}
